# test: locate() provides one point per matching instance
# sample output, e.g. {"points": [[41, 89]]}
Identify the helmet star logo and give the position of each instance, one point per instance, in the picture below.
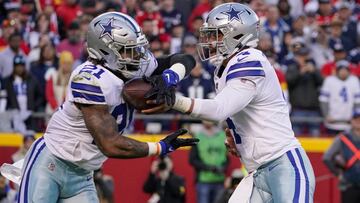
{"points": [[233, 14], [107, 29]]}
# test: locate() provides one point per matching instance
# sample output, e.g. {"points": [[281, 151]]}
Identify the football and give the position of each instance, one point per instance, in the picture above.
{"points": [[134, 93]]}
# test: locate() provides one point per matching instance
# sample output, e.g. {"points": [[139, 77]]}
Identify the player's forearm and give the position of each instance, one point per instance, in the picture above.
{"points": [[175, 67], [232, 99], [104, 130]]}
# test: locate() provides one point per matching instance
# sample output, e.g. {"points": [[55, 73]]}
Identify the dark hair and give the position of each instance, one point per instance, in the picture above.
{"points": [[15, 34], [42, 51], [37, 21]]}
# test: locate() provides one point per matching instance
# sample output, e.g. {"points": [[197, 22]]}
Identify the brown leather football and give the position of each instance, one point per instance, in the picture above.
{"points": [[134, 91]]}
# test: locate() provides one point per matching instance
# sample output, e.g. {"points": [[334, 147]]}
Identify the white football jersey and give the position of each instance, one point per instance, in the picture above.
{"points": [[262, 130], [341, 97], [67, 136]]}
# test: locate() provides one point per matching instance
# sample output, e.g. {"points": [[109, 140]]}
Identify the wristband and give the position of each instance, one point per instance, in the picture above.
{"points": [[179, 69], [154, 148], [183, 104]]}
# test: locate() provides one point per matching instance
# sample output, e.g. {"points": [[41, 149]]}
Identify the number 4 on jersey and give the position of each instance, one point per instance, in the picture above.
{"points": [[231, 125]]}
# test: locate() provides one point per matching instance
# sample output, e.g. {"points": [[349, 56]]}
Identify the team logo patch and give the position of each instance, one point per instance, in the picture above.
{"points": [[233, 14], [51, 166]]}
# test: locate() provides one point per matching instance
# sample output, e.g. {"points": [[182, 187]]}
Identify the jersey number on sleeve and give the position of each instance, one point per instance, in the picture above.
{"points": [[231, 125], [343, 94], [123, 116], [92, 70]]}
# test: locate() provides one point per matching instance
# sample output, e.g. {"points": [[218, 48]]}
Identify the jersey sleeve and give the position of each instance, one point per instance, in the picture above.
{"points": [[325, 91], [85, 89], [245, 66]]}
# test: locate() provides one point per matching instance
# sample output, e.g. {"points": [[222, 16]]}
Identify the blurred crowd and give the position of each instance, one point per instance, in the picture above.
{"points": [[312, 44]]}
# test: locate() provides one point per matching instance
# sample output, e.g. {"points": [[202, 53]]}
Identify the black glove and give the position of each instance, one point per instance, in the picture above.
{"points": [[163, 91], [171, 142]]}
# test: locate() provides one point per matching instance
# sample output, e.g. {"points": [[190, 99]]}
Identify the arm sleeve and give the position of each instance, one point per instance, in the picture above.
{"points": [[226, 103], [195, 160], [292, 75], [329, 155], [167, 61], [325, 91], [86, 89]]}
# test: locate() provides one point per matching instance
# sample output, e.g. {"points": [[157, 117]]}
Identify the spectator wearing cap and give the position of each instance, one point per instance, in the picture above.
{"points": [[151, 12], [339, 95], [336, 35], [171, 16], [342, 161], [339, 54], [28, 139], [349, 29], [277, 28], [189, 45], [325, 12], [303, 80], [23, 95], [73, 41], [8, 54], [320, 49]]}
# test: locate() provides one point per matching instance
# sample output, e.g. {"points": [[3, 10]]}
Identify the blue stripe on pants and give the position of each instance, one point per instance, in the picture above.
{"points": [[26, 167], [297, 177], [306, 176]]}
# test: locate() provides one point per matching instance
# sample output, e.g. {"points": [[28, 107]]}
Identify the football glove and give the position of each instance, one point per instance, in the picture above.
{"points": [[163, 87], [171, 142]]}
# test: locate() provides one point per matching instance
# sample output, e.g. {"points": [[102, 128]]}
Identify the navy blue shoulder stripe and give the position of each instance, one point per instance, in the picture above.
{"points": [[248, 64], [90, 97], [245, 73], [86, 87]]}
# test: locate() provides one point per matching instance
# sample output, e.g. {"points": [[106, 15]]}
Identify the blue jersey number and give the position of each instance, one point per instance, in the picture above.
{"points": [[120, 113], [343, 94], [92, 70], [231, 125]]}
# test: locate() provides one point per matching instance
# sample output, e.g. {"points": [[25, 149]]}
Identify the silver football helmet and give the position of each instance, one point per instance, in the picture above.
{"points": [[227, 29], [117, 39]]}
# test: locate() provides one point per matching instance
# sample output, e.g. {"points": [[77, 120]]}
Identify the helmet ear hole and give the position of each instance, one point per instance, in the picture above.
{"points": [[104, 52], [237, 37]]}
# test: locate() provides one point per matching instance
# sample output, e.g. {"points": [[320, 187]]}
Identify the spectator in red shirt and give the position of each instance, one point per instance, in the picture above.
{"points": [[151, 12], [325, 12], [68, 12], [339, 54], [73, 41]]}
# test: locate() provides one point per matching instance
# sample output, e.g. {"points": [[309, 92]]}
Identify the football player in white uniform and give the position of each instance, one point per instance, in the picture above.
{"points": [[250, 99], [87, 127]]}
